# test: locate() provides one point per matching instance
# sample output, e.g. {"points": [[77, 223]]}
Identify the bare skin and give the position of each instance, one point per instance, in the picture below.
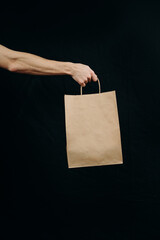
{"points": [[27, 63]]}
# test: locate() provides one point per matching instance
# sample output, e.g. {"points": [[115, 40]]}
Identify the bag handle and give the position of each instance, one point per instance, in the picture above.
{"points": [[98, 85]]}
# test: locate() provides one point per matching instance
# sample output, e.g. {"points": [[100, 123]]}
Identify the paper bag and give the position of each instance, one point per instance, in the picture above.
{"points": [[92, 129]]}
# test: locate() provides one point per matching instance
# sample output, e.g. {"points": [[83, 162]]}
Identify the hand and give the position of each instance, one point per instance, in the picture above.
{"points": [[83, 74]]}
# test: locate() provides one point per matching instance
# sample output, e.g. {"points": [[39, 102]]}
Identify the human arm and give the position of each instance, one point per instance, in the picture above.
{"points": [[27, 63]]}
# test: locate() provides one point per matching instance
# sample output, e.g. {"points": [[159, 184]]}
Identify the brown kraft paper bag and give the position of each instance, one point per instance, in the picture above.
{"points": [[92, 129]]}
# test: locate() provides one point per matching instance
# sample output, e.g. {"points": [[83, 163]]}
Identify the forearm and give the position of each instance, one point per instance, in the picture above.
{"points": [[32, 64]]}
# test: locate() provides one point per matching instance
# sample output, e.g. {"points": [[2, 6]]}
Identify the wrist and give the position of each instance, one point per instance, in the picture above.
{"points": [[69, 68]]}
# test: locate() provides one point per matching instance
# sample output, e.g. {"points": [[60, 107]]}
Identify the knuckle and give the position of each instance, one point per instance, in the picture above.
{"points": [[89, 75]]}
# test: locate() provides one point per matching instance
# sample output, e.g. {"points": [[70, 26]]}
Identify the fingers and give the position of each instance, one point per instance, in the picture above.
{"points": [[83, 84], [83, 74], [94, 76], [89, 78]]}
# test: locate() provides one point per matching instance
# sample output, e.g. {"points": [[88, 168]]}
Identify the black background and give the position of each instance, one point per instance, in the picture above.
{"points": [[41, 197]]}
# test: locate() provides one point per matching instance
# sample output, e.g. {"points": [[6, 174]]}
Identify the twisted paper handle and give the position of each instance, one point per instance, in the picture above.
{"points": [[98, 85]]}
